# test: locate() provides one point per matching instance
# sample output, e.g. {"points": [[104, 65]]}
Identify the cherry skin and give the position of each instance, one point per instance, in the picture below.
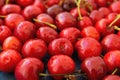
{"points": [[85, 22], [60, 46], [60, 64], [47, 34], [52, 2], [24, 3], [64, 20], [4, 33], [88, 47], [115, 7], [29, 69], [34, 48], [112, 59], [1, 3], [71, 34], [13, 19], [31, 12], [8, 60], [1, 22], [90, 31], [10, 8], [112, 77], [94, 67], [25, 30], [102, 27], [110, 42], [54, 10], [12, 42], [44, 17]]}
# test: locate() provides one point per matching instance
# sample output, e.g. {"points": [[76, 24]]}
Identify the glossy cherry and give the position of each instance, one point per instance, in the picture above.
{"points": [[34, 48], [115, 7], [104, 10], [71, 34], [60, 64], [8, 60], [110, 42], [94, 67], [25, 30], [29, 69], [47, 34], [112, 77], [12, 42], [88, 47], [24, 3], [64, 20], [60, 46]]}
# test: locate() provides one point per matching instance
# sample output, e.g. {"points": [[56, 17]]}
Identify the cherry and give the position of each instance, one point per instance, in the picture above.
{"points": [[104, 10], [24, 3], [115, 7], [25, 30], [85, 22], [1, 3], [71, 34], [101, 3], [31, 12], [60, 64], [88, 47], [110, 42], [42, 19], [64, 20], [4, 33], [60, 46], [90, 31], [94, 67], [112, 77], [54, 10], [52, 2], [47, 34], [13, 19], [34, 48], [8, 60], [1, 22], [29, 69], [40, 4], [10, 8], [12, 42]]}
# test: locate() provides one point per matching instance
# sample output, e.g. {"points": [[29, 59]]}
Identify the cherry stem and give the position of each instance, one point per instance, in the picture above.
{"points": [[78, 6], [51, 25], [116, 19], [116, 69], [61, 2], [2, 16], [116, 28], [7, 1]]}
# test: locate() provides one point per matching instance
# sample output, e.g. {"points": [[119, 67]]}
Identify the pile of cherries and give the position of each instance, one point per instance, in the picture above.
{"points": [[45, 35]]}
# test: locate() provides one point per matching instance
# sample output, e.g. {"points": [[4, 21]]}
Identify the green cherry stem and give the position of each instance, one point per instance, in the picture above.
{"points": [[51, 25], [116, 19], [78, 6], [116, 69]]}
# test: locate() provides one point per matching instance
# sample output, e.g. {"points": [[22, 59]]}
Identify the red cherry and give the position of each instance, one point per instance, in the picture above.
{"points": [[1, 22], [94, 67], [90, 31], [29, 69], [60, 64], [25, 30], [102, 3], [47, 34], [88, 47], [52, 2], [115, 7], [1, 3], [8, 60], [4, 33], [105, 11], [34, 48], [71, 34], [31, 12], [112, 77], [24, 3], [64, 20], [85, 22], [12, 42], [60, 46], [10, 8], [110, 42], [13, 19], [44, 18]]}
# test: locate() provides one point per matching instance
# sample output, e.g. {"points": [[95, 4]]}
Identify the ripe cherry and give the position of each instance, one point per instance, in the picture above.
{"points": [[60, 64], [112, 77], [24, 3], [115, 7], [29, 69], [60, 46], [8, 60]]}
